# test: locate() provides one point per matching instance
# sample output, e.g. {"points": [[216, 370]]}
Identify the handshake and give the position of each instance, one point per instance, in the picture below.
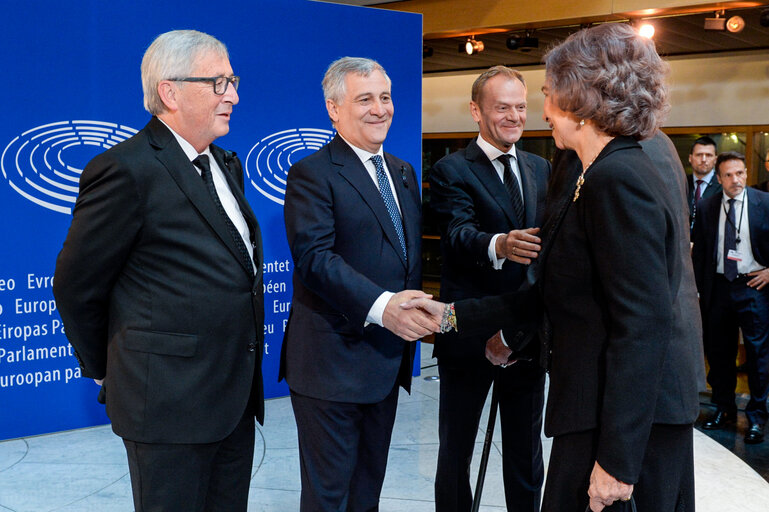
{"points": [[412, 314]]}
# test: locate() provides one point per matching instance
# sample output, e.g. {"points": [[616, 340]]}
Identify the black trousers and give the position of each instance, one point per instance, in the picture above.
{"points": [[463, 393], [211, 477], [666, 483], [735, 305], [343, 451]]}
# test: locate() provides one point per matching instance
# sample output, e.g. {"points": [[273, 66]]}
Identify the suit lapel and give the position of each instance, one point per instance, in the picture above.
{"points": [[168, 152], [229, 167], [409, 208], [482, 167], [353, 170]]}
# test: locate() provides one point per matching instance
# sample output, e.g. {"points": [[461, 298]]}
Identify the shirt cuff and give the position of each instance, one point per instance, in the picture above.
{"points": [[495, 262], [377, 309], [502, 337]]}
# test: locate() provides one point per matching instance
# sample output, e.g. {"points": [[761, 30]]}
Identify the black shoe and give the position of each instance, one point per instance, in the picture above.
{"points": [[755, 435], [718, 421]]}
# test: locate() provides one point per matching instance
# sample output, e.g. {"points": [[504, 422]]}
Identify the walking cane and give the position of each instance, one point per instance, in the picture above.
{"points": [[486, 443]]}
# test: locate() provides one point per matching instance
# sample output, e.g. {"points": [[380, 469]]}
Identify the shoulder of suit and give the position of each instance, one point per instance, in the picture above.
{"points": [[533, 159]]}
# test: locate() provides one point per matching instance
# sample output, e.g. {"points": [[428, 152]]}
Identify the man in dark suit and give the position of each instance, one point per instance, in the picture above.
{"points": [[701, 183], [353, 221], [731, 255], [159, 285], [485, 197]]}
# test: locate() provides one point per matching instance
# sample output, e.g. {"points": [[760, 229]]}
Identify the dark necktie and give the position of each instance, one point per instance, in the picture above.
{"points": [[730, 242], [202, 163], [389, 201], [698, 192], [511, 184]]}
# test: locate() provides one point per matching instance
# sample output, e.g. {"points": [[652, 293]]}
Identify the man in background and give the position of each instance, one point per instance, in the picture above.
{"points": [[159, 285], [701, 183], [486, 197], [731, 256]]}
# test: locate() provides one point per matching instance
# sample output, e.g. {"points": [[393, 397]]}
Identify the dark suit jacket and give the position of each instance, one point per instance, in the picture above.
{"points": [[705, 238], [713, 189], [154, 295], [472, 206], [621, 357], [346, 254]]}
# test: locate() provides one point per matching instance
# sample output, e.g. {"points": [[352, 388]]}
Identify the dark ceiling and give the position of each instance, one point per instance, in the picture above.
{"points": [[676, 35]]}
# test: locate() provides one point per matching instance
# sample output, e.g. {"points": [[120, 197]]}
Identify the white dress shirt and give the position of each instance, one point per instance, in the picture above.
{"points": [[748, 263], [229, 203], [493, 154]]}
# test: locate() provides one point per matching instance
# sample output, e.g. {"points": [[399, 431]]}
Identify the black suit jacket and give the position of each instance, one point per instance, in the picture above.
{"points": [[346, 254], [472, 206], [713, 189], [155, 298], [612, 285], [705, 238]]}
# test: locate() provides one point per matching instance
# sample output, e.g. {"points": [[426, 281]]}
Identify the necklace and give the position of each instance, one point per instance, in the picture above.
{"points": [[581, 180]]}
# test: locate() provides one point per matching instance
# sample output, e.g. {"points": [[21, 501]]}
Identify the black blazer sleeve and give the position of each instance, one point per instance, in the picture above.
{"points": [[104, 226]]}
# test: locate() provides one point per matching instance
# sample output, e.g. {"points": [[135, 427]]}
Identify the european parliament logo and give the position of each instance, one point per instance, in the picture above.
{"points": [[268, 162], [44, 164]]}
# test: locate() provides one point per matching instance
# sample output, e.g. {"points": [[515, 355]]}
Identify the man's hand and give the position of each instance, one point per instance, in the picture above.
{"points": [[605, 489], [760, 278], [496, 351], [431, 307], [410, 324], [519, 245]]}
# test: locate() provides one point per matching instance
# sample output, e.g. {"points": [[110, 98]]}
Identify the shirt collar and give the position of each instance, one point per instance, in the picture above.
{"points": [[188, 149], [364, 155], [739, 198], [707, 178], [492, 152]]}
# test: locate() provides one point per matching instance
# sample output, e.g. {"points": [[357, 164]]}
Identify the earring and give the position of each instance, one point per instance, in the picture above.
{"points": [[582, 122]]}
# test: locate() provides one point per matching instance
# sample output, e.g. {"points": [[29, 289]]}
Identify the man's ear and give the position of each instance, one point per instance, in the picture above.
{"points": [[333, 111], [168, 93]]}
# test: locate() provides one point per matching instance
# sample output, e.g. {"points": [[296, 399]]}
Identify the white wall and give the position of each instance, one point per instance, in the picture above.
{"points": [[726, 89]]}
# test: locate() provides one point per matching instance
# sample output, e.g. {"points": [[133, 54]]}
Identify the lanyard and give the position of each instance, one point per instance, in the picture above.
{"points": [[739, 224]]}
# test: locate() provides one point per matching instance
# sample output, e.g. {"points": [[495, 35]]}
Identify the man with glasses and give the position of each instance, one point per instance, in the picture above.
{"points": [[159, 285], [731, 256]]}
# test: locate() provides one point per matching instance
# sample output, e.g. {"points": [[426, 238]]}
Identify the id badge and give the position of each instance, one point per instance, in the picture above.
{"points": [[734, 255]]}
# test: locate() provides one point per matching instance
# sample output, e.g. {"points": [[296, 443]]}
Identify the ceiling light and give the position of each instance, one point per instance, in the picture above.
{"points": [[525, 42], [646, 30], [717, 23], [735, 24], [764, 18], [471, 46]]}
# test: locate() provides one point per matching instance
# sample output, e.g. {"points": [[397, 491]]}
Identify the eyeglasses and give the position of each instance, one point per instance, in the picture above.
{"points": [[220, 83]]}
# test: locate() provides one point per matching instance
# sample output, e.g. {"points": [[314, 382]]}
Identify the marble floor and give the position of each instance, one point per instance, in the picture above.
{"points": [[86, 471]]}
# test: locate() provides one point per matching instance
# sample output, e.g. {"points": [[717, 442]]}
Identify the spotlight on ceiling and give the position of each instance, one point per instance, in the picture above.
{"points": [[735, 24], [525, 42], [764, 18], [471, 46], [427, 51], [716, 23], [646, 30]]}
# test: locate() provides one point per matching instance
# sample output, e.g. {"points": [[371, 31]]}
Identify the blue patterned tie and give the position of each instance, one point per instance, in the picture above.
{"points": [[730, 242], [389, 201]]}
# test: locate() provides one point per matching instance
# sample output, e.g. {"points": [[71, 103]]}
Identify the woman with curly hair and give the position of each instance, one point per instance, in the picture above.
{"points": [[623, 376]]}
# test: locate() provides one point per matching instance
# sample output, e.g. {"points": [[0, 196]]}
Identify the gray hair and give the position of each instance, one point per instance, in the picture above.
{"points": [[612, 76], [172, 55], [333, 80], [512, 74]]}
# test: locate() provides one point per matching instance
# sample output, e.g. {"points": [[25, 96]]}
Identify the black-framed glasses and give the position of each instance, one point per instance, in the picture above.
{"points": [[220, 83]]}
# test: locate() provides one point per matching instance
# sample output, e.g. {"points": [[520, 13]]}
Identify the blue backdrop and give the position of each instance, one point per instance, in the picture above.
{"points": [[72, 89]]}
